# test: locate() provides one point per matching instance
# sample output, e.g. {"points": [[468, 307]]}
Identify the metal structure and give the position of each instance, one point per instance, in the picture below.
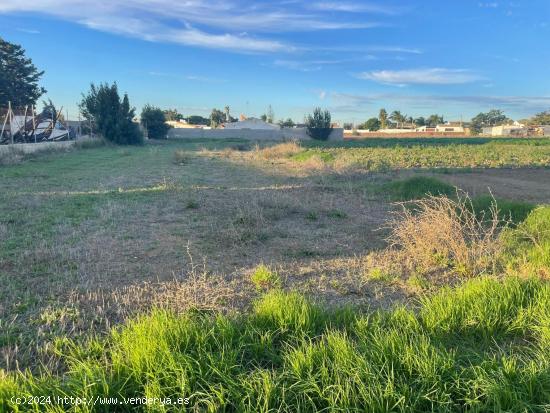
{"points": [[25, 126]]}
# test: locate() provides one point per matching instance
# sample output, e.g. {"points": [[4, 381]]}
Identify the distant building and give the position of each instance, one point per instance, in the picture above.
{"points": [[251, 123], [543, 130], [506, 130], [449, 128], [182, 124]]}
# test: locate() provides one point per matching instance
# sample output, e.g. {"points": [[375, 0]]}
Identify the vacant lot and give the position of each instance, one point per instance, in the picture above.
{"points": [[91, 237]]}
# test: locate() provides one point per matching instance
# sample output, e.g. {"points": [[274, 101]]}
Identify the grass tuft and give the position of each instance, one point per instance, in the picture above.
{"points": [[265, 278]]}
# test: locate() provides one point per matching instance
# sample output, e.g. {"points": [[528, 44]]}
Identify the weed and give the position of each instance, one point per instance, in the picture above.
{"points": [[312, 216], [527, 247], [377, 274], [264, 278]]}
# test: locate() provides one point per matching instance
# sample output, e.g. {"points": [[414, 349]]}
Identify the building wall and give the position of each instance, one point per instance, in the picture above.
{"points": [[252, 134]]}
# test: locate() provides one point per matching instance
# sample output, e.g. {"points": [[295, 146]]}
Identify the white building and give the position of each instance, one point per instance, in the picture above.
{"points": [[449, 128], [251, 123], [505, 130]]}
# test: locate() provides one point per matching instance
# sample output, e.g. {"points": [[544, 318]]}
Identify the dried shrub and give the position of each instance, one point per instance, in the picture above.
{"points": [[440, 232]]}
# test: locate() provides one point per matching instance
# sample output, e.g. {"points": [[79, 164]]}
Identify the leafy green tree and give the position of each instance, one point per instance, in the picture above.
{"points": [[50, 111], [319, 125], [198, 120], [109, 116], [373, 124], [264, 117], [434, 120], [542, 118], [18, 76], [128, 130], [217, 117], [348, 126], [420, 121], [172, 115], [288, 123], [154, 121], [383, 118], [492, 118]]}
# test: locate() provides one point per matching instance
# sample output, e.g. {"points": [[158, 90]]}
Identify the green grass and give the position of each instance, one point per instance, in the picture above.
{"points": [[418, 187], [421, 186], [528, 245], [428, 153], [264, 278], [514, 211], [481, 347]]}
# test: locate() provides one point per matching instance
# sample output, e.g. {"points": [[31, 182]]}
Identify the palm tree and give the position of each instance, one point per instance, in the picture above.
{"points": [[398, 117], [383, 118]]}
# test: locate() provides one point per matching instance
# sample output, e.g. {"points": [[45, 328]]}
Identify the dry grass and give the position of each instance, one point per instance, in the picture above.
{"points": [[181, 157], [280, 151], [439, 232]]}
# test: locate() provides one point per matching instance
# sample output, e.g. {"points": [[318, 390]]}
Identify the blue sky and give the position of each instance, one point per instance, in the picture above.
{"points": [[453, 57]]}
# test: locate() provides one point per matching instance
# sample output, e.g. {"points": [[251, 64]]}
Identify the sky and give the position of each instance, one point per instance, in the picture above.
{"points": [[452, 57]]}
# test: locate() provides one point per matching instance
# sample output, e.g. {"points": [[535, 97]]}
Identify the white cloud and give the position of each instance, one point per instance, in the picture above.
{"points": [[203, 23], [363, 7], [28, 31], [431, 76], [474, 103]]}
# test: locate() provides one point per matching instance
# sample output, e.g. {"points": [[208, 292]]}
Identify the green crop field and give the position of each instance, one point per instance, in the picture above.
{"points": [[383, 275]]}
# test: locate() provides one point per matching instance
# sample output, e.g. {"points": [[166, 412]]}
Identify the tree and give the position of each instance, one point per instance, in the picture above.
{"points": [[398, 118], [50, 111], [109, 116], [172, 115], [319, 125], [420, 121], [18, 76], [270, 115], [154, 121], [542, 118], [492, 118], [373, 124], [434, 120], [383, 118], [264, 117], [197, 120], [289, 123], [217, 117], [128, 130]]}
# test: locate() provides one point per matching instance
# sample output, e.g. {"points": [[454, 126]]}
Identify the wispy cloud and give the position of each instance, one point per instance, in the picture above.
{"points": [[356, 7], [194, 78], [356, 103], [28, 31], [430, 76], [229, 25]]}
